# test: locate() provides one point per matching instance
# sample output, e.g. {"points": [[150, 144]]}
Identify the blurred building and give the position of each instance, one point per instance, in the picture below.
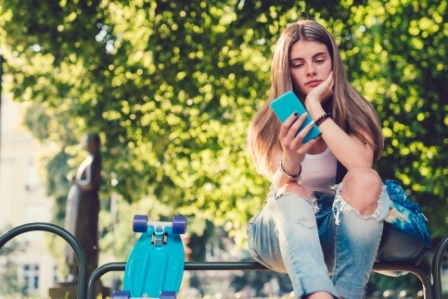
{"points": [[23, 199]]}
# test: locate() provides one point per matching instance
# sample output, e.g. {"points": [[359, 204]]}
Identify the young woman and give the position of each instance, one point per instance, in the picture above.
{"points": [[326, 208]]}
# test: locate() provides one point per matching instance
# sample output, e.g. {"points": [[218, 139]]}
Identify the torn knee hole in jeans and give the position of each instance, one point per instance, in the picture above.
{"points": [[340, 204]]}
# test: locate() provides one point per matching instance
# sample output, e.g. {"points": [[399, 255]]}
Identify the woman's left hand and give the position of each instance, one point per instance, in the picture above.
{"points": [[322, 92]]}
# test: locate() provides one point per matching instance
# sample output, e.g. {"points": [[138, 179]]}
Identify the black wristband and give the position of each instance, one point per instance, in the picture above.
{"points": [[321, 118]]}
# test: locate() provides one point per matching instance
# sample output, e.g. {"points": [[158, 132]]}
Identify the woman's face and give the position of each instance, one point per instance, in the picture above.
{"points": [[310, 64]]}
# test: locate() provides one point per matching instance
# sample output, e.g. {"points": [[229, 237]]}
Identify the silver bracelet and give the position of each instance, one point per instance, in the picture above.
{"points": [[295, 177]]}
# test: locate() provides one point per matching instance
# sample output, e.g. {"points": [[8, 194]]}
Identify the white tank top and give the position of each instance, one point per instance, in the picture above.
{"points": [[319, 172]]}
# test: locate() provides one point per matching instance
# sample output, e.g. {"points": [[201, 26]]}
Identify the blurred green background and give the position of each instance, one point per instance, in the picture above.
{"points": [[171, 87]]}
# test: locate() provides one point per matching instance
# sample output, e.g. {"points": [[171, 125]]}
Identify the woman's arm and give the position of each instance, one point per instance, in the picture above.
{"points": [[348, 149], [292, 150], [278, 179]]}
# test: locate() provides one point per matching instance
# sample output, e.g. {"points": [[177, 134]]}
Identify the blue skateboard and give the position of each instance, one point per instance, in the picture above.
{"points": [[156, 264]]}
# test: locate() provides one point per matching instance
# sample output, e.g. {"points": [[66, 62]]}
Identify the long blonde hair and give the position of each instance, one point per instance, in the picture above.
{"points": [[350, 110]]}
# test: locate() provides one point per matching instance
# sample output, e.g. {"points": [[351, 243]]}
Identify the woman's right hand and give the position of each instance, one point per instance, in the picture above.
{"points": [[294, 149]]}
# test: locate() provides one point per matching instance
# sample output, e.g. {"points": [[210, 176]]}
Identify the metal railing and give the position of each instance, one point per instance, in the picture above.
{"points": [[64, 234], [431, 281]]}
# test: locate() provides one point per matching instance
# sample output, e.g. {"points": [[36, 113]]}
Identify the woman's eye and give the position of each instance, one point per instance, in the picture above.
{"points": [[297, 65], [320, 61]]}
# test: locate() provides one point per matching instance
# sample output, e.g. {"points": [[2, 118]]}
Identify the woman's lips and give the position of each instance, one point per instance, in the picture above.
{"points": [[313, 83]]}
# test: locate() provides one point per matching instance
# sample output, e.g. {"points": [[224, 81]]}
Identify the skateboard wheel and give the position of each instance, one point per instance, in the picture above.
{"points": [[179, 225], [121, 295], [167, 295], [140, 224]]}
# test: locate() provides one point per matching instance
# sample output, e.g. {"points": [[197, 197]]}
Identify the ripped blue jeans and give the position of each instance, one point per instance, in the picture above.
{"points": [[310, 239]]}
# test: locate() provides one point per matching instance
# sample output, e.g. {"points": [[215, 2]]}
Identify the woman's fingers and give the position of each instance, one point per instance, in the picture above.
{"points": [[290, 120], [330, 85], [296, 126], [303, 132], [291, 125], [292, 139], [287, 124]]}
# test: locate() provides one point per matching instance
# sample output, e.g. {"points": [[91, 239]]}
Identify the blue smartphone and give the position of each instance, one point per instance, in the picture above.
{"points": [[287, 104]]}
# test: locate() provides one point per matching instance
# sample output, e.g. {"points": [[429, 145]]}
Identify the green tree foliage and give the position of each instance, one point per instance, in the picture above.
{"points": [[172, 86]]}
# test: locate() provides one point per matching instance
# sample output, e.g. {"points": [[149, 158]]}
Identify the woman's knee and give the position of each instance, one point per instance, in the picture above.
{"points": [[362, 187]]}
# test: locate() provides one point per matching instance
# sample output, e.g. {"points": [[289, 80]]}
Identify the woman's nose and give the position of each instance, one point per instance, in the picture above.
{"points": [[310, 70]]}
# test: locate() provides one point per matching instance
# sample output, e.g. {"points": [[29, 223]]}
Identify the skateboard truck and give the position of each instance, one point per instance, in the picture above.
{"points": [[159, 236]]}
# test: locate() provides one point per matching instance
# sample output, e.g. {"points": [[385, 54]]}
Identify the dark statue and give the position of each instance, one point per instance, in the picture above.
{"points": [[83, 207]]}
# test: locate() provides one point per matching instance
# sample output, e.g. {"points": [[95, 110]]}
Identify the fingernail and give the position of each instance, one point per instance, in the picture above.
{"points": [[311, 123], [306, 113]]}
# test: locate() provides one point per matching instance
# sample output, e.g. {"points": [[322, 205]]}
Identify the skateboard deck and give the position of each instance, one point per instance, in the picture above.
{"points": [[155, 266]]}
